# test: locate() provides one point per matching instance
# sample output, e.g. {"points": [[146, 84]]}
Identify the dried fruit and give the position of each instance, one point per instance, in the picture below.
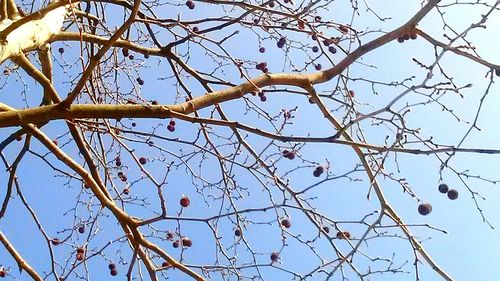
{"points": [[343, 235], [281, 42], [113, 272], [125, 52], [452, 194], [187, 242], [424, 209], [286, 223], [170, 236], [190, 4], [79, 257], [274, 256], [143, 160], [318, 171], [185, 201], [443, 188]]}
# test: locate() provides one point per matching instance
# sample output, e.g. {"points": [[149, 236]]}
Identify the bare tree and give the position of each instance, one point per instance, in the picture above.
{"points": [[228, 140]]}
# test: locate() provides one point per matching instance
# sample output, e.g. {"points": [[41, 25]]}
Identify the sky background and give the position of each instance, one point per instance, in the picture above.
{"points": [[468, 251]]}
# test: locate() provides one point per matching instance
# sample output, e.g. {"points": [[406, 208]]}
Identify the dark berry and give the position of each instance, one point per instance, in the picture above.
{"points": [[170, 235], [318, 67], [351, 93], [262, 50], [289, 154], [3, 273], [81, 229], [196, 29], [79, 257], [143, 160], [55, 241], [274, 256], [237, 232], [61, 50], [301, 24], [187, 242], [261, 66], [343, 28], [497, 72], [126, 191], [172, 122], [401, 39], [176, 244], [124, 178], [317, 18], [171, 128], [452, 194], [190, 4], [424, 209], [281, 43], [118, 163], [140, 81], [286, 223], [80, 250], [327, 42], [318, 171], [443, 188], [131, 56], [165, 264], [146, 56], [315, 49], [154, 102], [125, 52], [113, 272], [413, 35], [343, 235], [326, 229], [332, 49], [263, 98], [271, 4], [185, 201], [111, 266], [406, 37]]}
